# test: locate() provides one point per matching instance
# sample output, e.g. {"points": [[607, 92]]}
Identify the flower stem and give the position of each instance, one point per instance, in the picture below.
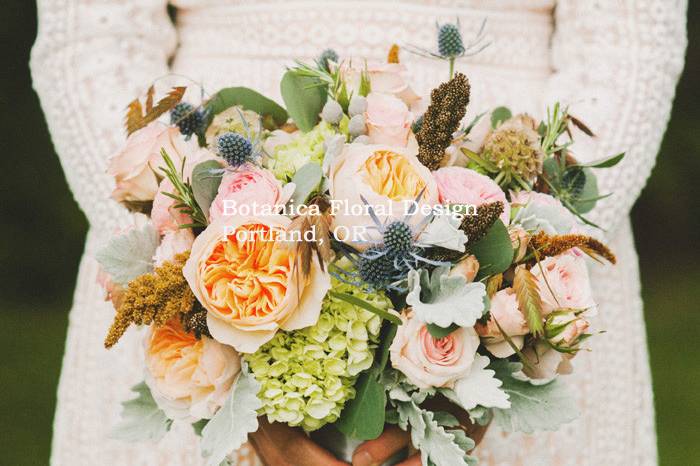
{"points": [[452, 67]]}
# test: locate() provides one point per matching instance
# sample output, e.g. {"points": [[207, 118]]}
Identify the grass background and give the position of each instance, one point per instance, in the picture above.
{"points": [[42, 232]]}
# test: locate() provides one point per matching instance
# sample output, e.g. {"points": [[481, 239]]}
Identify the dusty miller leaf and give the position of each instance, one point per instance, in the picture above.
{"points": [[480, 387], [443, 300], [444, 232], [230, 426], [437, 445], [541, 407], [141, 418], [127, 256]]}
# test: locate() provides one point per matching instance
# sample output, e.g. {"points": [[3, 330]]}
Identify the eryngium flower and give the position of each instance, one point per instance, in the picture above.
{"points": [[514, 147], [307, 375]]}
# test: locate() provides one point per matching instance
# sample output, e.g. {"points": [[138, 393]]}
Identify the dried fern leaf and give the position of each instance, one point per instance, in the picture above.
{"points": [[528, 294]]}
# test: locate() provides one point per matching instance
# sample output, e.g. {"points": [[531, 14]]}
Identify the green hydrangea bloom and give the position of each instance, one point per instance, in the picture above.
{"points": [[307, 375], [287, 158]]}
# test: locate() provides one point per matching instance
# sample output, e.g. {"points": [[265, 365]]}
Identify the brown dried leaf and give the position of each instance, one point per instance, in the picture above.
{"points": [[134, 116], [149, 98], [135, 119]]}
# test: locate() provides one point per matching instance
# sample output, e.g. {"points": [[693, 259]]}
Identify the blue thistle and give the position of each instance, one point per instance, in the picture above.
{"points": [[376, 267], [189, 119], [450, 43], [234, 148], [328, 55], [398, 238]]}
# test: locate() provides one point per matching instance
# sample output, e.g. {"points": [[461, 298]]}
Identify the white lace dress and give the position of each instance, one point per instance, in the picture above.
{"points": [[616, 61]]}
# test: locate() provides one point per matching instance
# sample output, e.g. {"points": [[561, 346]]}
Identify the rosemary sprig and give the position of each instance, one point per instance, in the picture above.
{"points": [[183, 194]]}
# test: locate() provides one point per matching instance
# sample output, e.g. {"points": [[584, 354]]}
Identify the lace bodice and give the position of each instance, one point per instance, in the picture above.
{"points": [[616, 61]]}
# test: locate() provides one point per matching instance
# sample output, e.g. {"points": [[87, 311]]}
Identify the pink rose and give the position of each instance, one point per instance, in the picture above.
{"points": [[189, 378], [388, 120], [164, 216], [250, 186], [133, 166], [387, 78], [428, 361], [504, 309], [458, 185], [173, 243], [563, 282], [546, 362]]}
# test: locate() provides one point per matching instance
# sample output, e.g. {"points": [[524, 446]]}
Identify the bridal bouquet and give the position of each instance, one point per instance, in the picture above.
{"points": [[359, 258]]}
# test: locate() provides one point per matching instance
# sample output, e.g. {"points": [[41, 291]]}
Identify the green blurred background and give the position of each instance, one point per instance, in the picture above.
{"points": [[42, 232]]}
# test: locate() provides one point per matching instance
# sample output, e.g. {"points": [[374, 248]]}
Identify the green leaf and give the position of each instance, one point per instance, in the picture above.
{"points": [[127, 256], [206, 178], [606, 162], [494, 251], [445, 300], [141, 418], [441, 332], [528, 294], [230, 426], [199, 426], [304, 98], [355, 301], [363, 417], [249, 100], [306, 181], [534, 406], [499, 115]]}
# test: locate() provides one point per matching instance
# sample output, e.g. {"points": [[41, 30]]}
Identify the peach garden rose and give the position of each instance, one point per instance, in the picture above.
{"points": [[504, 309], [242, 271], [389, 178], [564, 283], [428, 361], [189, 378]]}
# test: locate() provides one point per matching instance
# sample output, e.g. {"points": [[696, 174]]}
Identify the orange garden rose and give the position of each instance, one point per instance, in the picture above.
{"points": [[242, 270], [189, 378]]}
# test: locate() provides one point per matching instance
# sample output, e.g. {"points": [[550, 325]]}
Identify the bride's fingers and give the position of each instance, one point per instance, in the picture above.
{"points": [[412, 461], [280, 445], [380, 449]]}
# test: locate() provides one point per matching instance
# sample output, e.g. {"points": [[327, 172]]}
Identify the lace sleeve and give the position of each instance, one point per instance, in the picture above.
{"points": [[617, 63], [91, 58]]}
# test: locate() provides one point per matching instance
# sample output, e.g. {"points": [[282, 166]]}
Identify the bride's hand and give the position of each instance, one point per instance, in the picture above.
{"points": [[278, 444]]}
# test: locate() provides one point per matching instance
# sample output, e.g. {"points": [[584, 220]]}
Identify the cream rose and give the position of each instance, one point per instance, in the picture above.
{"points": [[133, 166], [388, 178], [388, 120], [387, 78], [546, 362], [189, 378], [243, 272], [428, 361], [504, 309], [564, 284], [458, 185], [250, 186]]}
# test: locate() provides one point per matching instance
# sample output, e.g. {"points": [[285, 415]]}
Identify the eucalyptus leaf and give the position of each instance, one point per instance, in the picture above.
{"points": [[494, 251], [141, 418], [249, 100], [499, 115], [306, 181], [584, 201], [206, 178], [230, 426], [304, 97], [606, 162], [129, 255]]}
